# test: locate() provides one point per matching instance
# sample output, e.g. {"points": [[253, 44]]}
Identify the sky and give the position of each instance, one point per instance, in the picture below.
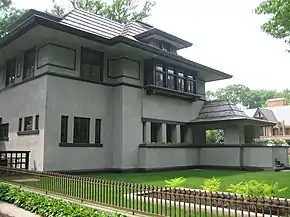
{"points": [[226, 36]]}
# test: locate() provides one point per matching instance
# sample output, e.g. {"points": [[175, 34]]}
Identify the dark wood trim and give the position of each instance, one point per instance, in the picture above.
{"points": [[80, 145], [123, 76], [154, 120], [28, 132], [55, 65], [156, 90], [5, 139]]}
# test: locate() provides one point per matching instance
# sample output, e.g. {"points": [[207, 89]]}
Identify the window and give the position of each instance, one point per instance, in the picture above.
{"points": [[37, 122], [91, 65], [181, 82], [4, 131], [191, 84], [169, 132], [29, 63], [63, 128], [20, 124], [19, 67], [28, 123], [164, 46], [160, 76], [81, 130], [171, 78], [10, 71], [98, 131], [182, 133], [155, 132]]}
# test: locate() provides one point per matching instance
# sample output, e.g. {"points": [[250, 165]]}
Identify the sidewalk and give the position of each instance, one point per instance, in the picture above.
{"points": [[14, 211]]}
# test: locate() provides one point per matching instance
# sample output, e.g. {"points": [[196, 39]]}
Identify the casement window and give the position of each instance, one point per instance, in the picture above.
{"points": [[4, 131], [29, 63], [181, 81], [64, 128], [155, 132], [182, 133], [164, 46], [169, 132], [10, 71], [28, 123], [36, 122], [98, 131], [81, 130], [20, 124], [160, 75], [191, 84], [171, 78], [91, 65]]}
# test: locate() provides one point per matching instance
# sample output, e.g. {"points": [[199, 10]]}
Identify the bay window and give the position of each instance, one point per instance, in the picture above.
{"points": [[191, 84], [171, 78], [159, 75], [181, 81], [10, 72]]}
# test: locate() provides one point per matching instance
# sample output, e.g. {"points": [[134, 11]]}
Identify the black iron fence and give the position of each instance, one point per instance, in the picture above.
{"points": [[14, 159], [145, 199]]}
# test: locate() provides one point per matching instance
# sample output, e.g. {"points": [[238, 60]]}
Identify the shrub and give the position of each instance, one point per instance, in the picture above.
{"points": [[47, 206], [270, 142], [213, 184], [175, 183], [255, 188]]}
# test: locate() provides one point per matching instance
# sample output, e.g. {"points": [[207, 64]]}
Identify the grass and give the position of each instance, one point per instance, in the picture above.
{"points": [[195, 178]]}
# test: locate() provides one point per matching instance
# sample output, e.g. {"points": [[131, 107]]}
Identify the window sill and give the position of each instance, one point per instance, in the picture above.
{"points": [[28, 132], [156, 90], [80, 145], [5, 139]]}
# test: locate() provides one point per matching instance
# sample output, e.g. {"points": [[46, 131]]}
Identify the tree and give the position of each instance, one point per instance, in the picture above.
{"points": [[278, 24], [8, 14], [122, 11], [215, 136], [57, 10]]}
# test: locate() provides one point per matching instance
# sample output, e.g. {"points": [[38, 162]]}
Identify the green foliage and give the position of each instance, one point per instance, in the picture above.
{"points": [[270, 142], [176, 182], [213, 184], [214, 136], [240, 94], [255, 188], [278, 12], [122, 11], [47, 206]]}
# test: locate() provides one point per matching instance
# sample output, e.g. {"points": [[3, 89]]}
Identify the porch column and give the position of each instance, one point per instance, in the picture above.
{"points": [[70, 129], [147, 132], [163, 133], [189, 135], [199, 136], [176, 134], [234, 135]]}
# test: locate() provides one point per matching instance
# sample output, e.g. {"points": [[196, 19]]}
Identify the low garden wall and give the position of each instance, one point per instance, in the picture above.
{"points": [[231, 156]]}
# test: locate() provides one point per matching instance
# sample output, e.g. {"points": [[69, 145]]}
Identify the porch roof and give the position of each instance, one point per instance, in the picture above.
{"points": [[216, 111]]}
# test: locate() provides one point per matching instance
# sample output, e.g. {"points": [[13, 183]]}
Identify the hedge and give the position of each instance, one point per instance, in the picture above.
{"points": [[47, 206]]}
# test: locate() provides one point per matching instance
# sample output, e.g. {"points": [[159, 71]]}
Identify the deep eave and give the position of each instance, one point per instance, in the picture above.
{"points": [[52, 22], [154, 31]]}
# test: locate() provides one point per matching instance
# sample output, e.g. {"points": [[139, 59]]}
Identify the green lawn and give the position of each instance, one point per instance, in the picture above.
{"points": [[196, 177]]}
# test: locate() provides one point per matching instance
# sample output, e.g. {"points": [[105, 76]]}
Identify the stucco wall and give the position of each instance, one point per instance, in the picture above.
{"points": [[81, 99], [258, 157], [22, 101], [281, 154], [150, 158], [226, 156]]}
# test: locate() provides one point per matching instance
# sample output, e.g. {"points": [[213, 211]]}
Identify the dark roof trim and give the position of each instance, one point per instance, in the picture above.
{"points": [[164, 35], [37, 19], [29, 14]]}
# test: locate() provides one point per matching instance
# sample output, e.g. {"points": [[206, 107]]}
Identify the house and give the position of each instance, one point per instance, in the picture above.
{"points": [[82, 92], [276, 111]]}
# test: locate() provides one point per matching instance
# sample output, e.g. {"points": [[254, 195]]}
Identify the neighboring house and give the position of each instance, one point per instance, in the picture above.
{"points": [[276, 111], [82, 92]]}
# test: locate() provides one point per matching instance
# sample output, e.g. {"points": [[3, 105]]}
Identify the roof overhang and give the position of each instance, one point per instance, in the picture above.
{"points": [[232, 120], [161, 35], [205, 73]]}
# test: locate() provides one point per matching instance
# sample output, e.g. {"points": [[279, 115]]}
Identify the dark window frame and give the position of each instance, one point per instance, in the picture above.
{"points": [[63, 128], [36, 122], [4, 131], [188, 78], [160, 82], [165, 46], [26, 119], [98, 130], [32, 66], [19, 124], [95, 53], [79, 135], [11, 68]]}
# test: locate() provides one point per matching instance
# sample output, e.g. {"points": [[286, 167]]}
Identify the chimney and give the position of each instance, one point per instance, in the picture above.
{"points": [[276, 102]]}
